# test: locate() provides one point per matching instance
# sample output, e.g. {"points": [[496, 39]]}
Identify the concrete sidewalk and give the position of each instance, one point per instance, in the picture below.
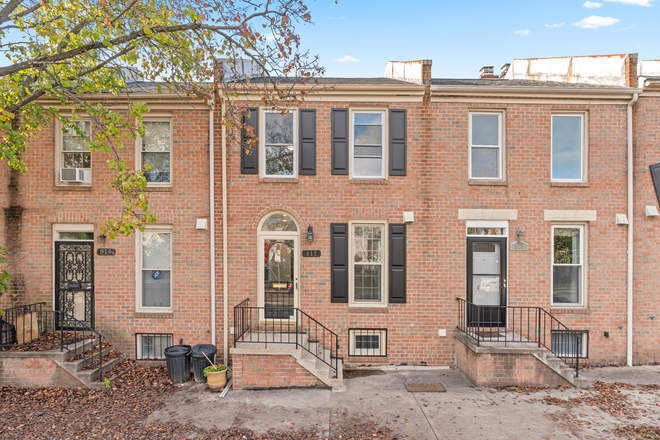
{"points": [[380, 396]]}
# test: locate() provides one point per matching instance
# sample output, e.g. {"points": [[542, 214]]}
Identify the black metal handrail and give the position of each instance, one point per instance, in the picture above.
{"points": [[256, 325], [514, 324], [31, 327]]}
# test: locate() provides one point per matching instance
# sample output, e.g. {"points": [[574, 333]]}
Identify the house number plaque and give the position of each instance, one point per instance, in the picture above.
{"points": [[519, 246], [106, 251], [312, 254]]}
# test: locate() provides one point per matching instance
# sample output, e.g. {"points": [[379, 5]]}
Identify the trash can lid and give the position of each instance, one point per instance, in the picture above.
{"points": [[200, 349], [178, 349]]}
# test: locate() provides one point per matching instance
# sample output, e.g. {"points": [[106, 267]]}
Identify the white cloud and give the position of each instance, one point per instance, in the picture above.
{"points": [[633, 2], [346, 59], [556, 25], [595, 22], [523, 33], [592, 5]]}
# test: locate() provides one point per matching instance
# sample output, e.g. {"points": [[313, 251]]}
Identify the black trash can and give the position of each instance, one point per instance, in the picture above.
{"points": [[178, 363], [199, 361]]}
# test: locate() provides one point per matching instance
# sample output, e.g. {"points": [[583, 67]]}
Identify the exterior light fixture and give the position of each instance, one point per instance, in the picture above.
{"points": [[521, 235], [101, 238], [310, 234]]}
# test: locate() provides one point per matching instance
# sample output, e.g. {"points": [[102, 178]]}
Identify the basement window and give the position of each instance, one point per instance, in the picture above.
{"points": [[570, 344], [151, 346], [367, 342]]}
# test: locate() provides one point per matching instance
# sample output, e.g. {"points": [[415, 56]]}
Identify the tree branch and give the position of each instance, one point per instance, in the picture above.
{"points": [[8, 9]]}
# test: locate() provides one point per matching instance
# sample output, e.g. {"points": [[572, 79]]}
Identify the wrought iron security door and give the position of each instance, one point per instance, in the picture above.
{"points": [[74, 281]]}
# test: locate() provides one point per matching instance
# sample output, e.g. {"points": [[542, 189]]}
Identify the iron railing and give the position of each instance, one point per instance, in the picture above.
{"points": [[513, 324], [253, 325], [151, 346], [30, 328]]}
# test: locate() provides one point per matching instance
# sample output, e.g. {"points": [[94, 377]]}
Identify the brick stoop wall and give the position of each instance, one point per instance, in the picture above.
{"points": [[34, 371], [251, 372], [499, 368]]}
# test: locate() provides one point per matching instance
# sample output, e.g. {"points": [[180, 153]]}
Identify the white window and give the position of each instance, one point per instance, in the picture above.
{"points": [[568, 156], [155, 148], [367, 259], [149, 346], [279, 152], [73, 153], [485, 138], [569, 343], [368, 144], [155, 270], [367, 342], [568, 265]]}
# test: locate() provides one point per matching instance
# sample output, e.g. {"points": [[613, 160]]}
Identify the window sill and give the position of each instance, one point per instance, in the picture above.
{"points": [[354, 308], [163, 189], [153, 315], [277, 180], [368, 182], [570, 184], [569, 310], [488, 183], [76, 188]]}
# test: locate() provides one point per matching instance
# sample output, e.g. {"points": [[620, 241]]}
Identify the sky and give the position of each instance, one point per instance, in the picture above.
{"points": [[354, 38]]}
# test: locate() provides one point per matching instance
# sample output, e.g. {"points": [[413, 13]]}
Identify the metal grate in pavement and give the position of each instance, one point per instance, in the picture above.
{"points": [[425, 388]]}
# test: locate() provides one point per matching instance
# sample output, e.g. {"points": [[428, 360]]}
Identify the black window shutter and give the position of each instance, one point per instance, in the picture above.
{"points": [[397, 263], [250, 158], [339, 261], [339, 134], [398, 142], [655, 174], [307, 149]]}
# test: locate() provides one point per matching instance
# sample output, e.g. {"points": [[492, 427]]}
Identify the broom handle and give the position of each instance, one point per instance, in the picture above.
{"points": [[207, 358]]}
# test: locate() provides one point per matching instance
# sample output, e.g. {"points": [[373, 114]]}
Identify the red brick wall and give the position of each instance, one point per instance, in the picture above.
{"points": [[115, 286], [494, 369], [34, 372], [435, 188], [258, 372], [646, 246]]}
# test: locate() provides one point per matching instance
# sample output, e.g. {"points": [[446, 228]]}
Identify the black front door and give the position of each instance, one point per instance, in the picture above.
{"points": [[486, 281], [74, 282]]}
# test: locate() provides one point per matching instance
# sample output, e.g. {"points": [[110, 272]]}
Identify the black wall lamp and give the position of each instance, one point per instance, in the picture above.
{"points": [[310, 234]]}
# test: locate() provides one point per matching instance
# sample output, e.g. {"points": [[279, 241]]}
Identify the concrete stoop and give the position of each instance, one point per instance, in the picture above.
{"points": [[73, 373], [518, 363], [302, 356]]}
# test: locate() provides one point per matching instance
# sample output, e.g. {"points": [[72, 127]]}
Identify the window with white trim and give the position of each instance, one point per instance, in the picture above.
{"points": [[367, 259], [73, 153], [279, 144], [368, 144], [568, 152], [156, 150], [367, 342], [155, 270], [151, 346], [485, 139], [568, 343], [568, 257]]}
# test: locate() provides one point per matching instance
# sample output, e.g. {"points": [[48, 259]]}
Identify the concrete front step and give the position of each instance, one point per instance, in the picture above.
{"points": [[303, 357], [75, 366], [87, 377]]}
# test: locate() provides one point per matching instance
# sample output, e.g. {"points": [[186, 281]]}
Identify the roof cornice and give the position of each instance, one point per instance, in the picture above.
{"points": [[534, 92]]}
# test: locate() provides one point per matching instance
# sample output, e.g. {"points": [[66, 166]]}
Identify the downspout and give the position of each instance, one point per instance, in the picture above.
{"points": [[212, 213], [224, 238], [629, 313]]}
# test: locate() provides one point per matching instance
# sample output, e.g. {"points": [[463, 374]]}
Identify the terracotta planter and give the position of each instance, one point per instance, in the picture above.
{"points": [[216, 380]]}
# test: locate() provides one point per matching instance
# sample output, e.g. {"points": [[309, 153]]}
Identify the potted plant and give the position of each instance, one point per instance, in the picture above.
{"points": [[216, 377]]}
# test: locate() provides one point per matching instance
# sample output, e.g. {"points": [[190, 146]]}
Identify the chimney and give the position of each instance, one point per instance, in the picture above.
{"points": [[486, 72], [505, 69], [631, 70], [417, 72]]}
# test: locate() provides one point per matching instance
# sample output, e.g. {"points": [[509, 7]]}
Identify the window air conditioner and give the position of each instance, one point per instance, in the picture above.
{"points": [[75, 175]]}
